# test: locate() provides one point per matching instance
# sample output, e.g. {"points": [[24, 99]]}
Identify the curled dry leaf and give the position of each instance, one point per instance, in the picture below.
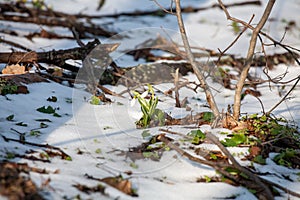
{"points": [[229, 122], [240, 126], [121, 184], [14, 69]]}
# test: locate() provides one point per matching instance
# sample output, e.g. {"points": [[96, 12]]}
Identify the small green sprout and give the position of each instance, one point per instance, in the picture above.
{"points": [[148, 107]]}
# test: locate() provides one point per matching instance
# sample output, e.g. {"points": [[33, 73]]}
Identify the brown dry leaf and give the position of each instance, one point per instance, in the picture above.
{"points": [[254, 151], [121, 184], [15, 184], [229, 122], [14, 69], [86, 189], [240, 126], [254, 93], [58, 72]]}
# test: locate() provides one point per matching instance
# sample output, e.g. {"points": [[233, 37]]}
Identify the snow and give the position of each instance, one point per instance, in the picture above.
{"points": [[111, 127]]}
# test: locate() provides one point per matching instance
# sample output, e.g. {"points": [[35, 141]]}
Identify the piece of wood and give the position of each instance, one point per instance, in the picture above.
{"points": [[56, 57]]}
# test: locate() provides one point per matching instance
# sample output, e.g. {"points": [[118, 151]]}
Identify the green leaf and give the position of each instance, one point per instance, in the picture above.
{"points": [[56, 115], [48, 110], [253, 116], [198, 136], [10, 117], [52, 99], [145, 134], [263, 118], [235, 140], [284, 158], [232, 171], [35, 133], [208, 116], [236, 28], [259, 159], [21, 124], [68, 158], [147, 154], [43, 125], [98, 151], [10, 155], [252, 191], [107, 127], [207, 179], [95, 100], [134, 165], [213, 156]]}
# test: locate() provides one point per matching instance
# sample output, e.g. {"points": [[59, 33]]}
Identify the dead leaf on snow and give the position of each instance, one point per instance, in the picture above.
{"points": [[14, 184], [88, 190], [229, 122], [240, 126], [14, 69], [120, 184]]}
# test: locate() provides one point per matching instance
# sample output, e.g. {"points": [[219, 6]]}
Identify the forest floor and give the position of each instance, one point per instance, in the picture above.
{"points": [[58, 142]]}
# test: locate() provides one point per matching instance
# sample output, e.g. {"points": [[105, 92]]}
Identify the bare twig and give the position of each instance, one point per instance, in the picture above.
{"points": [[285, 96], [234, 41], [164, 9], [209, 96], [176, 83], [77, 38]]}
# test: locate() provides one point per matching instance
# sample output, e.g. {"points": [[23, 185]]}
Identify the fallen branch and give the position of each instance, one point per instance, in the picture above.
{"points": [[49, 18], [47, 146], [56, 57], [252, 181], [161, 12]]}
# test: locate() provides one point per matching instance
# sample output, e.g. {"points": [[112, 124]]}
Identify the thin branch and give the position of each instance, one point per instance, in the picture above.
{"points": [[209, 96], [234, 41], [176, 83], [285, 96], [164, 9]]}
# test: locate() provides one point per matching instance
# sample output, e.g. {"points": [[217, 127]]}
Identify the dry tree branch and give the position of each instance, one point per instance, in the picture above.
{"points": [[209, 96], [176, 83], [164, 9], [244, 73], [234, 41], [285, 97], [288, 48], [252, 180]]}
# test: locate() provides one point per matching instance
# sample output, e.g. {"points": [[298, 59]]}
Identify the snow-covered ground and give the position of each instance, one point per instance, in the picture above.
{"points": [[102, 132]]}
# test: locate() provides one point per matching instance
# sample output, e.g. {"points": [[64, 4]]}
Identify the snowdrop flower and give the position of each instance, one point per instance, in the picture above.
{"points": [[144, 94], [132, 102], [137, 95]]}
